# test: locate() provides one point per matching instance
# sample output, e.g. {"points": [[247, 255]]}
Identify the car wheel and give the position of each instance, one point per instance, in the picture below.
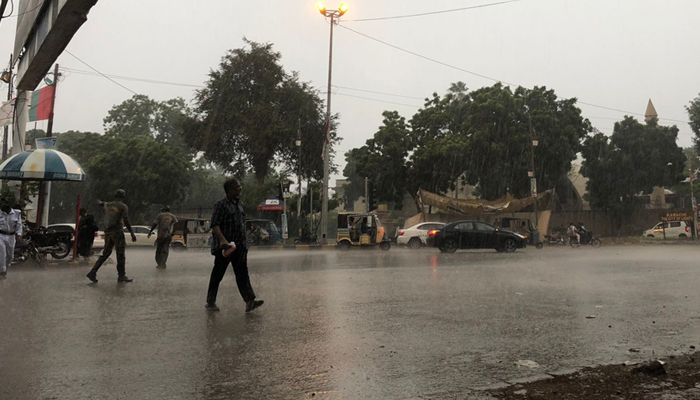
{"points": [[650, 236], [344, 246], [449, 246], [595, 243], [509, 245], [683, 236], [415, 244], [539, 245], [178, 246], [385, 246]]}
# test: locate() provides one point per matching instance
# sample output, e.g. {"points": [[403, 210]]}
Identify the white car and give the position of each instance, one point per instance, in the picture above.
{"points": [[674, 229], [416, 236], [141, 233]]}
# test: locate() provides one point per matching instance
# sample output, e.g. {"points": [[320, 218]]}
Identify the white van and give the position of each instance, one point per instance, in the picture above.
{"points": [[674, 229]]}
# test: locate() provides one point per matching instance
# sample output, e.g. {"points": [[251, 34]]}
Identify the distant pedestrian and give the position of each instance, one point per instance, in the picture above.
{"points": [[117, 216], [200, 228], [86, 235], [165, 221], [229, 247], [10, 231]]}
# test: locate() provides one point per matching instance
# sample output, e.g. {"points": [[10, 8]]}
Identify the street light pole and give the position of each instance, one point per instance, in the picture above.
{"points": [[334, 15], [533, 178], [298, 144]]}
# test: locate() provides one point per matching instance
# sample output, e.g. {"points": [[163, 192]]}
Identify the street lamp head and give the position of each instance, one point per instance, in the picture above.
{"points": [[297, 143], [535, 142], [343, 8], [6, 76], [530, 174], [321, 7]]}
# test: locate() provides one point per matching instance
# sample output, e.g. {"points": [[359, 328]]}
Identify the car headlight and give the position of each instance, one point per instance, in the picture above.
{"points": [[520, 236]]}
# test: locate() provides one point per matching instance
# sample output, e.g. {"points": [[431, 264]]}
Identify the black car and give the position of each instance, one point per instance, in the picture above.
{"points": [[474, 235]]}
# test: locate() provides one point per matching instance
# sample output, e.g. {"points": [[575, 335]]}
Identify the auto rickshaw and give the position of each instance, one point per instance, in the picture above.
{"points": [[361, 229], [189, 233], [262, 232], [523, 227]]}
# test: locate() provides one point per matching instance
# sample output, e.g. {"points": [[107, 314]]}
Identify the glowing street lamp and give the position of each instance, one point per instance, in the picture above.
{"points": [[334, 15]]}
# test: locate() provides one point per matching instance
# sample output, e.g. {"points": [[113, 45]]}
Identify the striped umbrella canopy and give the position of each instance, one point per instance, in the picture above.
{"points": [[41, 165]]}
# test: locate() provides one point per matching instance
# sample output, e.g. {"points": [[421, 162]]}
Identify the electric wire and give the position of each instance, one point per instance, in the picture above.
{"points": [[12, 4], [26, 12], [129, 78], [89, 66], [485, 76], [433, 12]]}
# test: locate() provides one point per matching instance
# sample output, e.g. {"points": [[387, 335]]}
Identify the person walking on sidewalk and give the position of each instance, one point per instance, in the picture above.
{"points": [[229, 247], [117, 216], [165, 221], [10, 231]]}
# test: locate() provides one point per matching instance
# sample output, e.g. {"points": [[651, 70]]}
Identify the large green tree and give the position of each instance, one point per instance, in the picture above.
{"points": [[694, 114], [634, 159], [250, 112], [152, 173]]}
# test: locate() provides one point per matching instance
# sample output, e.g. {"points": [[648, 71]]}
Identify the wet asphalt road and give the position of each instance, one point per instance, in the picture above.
{"points": [[359, 325]]}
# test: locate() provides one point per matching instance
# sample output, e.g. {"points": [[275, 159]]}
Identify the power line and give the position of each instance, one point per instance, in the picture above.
{"points": [[432, 12], [377, 100], [129, 78], [26, 12], [383, 93], [89, 66], [487, 77], [424, 57]]}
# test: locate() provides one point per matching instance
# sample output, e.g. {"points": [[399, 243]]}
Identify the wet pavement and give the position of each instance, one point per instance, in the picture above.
{"points": [[358, 325]]}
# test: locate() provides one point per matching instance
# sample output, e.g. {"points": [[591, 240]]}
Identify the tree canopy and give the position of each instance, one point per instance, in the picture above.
{"points": [[634, 159], [250, 112], [482, 137]]}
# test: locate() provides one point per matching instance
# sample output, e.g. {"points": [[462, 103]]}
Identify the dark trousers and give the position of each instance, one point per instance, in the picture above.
{"points": [[162, 251], [113, 240], [239, 260]]}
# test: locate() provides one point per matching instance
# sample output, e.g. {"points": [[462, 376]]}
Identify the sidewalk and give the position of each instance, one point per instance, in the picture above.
{"points": [[674, 378]]}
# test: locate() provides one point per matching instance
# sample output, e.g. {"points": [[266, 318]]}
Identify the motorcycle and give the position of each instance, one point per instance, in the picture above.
{"points": [[36, 244], [555, 238], [587, 238]]}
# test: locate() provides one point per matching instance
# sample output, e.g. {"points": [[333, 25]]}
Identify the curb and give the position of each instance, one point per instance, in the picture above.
{"points": [[294, 247]]}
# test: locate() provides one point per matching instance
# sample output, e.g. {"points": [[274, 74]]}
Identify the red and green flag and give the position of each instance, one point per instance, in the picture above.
{"points": [[40, 104]]}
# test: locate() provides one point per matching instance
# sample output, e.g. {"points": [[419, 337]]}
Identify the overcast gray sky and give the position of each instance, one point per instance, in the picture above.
{"points": [[612, 53]]}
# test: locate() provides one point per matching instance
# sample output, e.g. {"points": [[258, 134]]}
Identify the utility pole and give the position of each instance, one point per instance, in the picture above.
{"points": [[533, 178], [298, 143], [694, 201], [7, 128], [366, 194], [45, 187]]}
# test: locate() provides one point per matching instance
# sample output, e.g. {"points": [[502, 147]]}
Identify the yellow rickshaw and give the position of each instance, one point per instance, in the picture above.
{"points": [[361, 229]]}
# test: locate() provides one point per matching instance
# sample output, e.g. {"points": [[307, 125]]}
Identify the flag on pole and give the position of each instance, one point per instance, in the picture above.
{"points": [[40, 104], [6, 112]]}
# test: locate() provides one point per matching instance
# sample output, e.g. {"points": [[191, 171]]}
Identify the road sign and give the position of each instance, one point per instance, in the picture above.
{"points": [[46, 143], [533, 187], [679, 216]]}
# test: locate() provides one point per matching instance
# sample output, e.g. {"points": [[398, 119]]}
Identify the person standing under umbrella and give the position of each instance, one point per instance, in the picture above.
{"points": [[86, 234], [10, 228], [165, 221], [117, 215]]}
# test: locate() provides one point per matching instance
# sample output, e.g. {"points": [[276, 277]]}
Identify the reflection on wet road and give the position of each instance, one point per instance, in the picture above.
{"points": [[355, 325]]}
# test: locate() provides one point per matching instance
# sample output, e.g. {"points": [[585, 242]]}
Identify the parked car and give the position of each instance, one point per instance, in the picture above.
{"points": [[474, 235], [674, 229], [416, 236], [99, 242], [141, 233]]}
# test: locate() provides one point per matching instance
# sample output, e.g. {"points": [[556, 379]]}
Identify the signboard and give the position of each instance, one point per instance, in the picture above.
{"points": [[679, 216], [44, 29], [46, 143], [285, 231], [533, 187]]}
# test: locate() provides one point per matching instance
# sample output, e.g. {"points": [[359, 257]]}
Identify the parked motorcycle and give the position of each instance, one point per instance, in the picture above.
{"points": [[36, 244]]}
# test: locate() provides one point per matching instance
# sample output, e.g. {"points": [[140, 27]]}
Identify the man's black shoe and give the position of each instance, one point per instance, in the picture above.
{"points": [[211, 307], [124, 279], [161, 266], [92, 277], [3, 275], [253, 304]]}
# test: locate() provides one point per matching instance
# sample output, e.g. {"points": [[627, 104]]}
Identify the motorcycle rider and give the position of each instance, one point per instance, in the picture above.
{"points": [[10, 231]]}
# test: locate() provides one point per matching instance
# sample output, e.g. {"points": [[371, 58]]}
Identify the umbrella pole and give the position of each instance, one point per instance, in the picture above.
{"points": [[39, 206], [75, 231]]}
